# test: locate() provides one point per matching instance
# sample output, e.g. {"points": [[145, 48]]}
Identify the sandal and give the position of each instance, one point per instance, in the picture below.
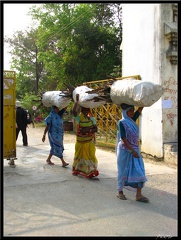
{"points": [[143, 199], [66, 164], [121, 196]]}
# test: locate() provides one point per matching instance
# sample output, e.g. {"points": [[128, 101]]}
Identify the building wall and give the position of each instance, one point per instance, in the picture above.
{"points": [[144, 52], [169, 78]]}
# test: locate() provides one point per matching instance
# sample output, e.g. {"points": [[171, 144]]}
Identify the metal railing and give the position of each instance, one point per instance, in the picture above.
{"points": [[109, 114]]}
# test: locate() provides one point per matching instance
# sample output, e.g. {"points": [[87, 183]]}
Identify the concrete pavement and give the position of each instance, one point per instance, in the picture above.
{"points": [[45, 200]]}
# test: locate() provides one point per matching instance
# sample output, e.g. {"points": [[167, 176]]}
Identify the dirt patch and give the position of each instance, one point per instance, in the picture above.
{"points": [[37, 132], [69, 137]]}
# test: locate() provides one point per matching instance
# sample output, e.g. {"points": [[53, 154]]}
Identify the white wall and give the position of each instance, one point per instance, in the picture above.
{"points": [[141, 55]]}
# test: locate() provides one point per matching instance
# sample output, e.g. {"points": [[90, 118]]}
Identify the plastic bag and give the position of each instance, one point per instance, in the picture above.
{"points": [[51, 98], [87, 100], [135, 92]]}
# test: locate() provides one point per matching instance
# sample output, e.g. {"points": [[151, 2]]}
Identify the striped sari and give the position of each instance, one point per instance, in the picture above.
{"points": [[85, 160]]}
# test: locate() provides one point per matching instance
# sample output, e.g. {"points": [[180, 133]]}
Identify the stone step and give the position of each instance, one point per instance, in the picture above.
{"points": [[171, 158], [171, 147], [171, 153]]}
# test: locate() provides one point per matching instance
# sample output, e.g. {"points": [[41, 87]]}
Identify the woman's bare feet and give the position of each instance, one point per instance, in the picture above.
{"points": [[49, 162], [64, 164]]}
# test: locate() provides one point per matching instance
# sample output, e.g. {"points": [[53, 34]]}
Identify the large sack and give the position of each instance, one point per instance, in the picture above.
{"points": [[87, 100], [56, 98], [135, 92]]}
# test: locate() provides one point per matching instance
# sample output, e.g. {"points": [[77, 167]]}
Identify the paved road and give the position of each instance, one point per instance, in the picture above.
{"points": [[44, 200]]}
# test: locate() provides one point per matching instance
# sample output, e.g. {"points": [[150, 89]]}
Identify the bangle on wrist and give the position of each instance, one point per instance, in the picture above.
{"points": [[132, 151]]}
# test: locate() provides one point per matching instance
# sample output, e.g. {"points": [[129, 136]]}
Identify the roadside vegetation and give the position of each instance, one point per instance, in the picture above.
{"points": [[69, 43]]}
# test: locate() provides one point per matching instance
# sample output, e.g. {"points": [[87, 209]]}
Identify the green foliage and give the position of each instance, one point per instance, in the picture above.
{"points": [[78, 42], [29, 70], [74, 43], [28, 101]]}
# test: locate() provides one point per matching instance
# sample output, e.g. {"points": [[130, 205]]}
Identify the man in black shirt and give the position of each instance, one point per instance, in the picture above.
{"points": [[21, 123]]}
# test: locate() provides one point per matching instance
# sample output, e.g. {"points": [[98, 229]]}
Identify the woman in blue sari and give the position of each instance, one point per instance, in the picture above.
{"points": [[54, 126], [131, 172]]}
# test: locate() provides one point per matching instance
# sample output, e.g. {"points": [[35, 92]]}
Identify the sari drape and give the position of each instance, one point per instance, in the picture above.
{"points": [[85, 160], [55, 133], [131, 171]]}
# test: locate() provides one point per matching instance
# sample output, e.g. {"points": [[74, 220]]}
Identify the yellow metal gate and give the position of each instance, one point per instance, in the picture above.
{"points": [[9, 116], [107, 115]]}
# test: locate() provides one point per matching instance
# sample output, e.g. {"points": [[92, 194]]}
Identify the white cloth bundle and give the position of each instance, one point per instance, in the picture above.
{"points": [[87, 100], [135, 92], [51, 98]]}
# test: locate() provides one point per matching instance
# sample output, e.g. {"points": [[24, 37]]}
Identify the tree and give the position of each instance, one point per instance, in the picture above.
{"points": [[73, 43], [82, 41], [25, 60]]}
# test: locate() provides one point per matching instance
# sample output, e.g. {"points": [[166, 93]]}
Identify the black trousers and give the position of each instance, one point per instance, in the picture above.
{"points": [[24, 134]]}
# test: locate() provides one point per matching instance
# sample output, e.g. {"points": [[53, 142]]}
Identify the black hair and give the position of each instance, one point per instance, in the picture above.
{"points": [[124, 106]]}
